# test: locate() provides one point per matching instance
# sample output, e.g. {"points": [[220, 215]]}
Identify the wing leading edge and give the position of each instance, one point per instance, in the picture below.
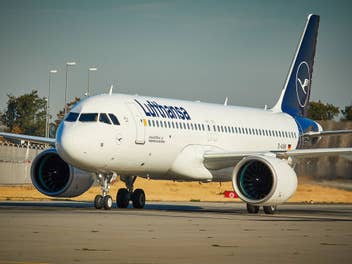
{"points": [[44, 140], [220, 160]]}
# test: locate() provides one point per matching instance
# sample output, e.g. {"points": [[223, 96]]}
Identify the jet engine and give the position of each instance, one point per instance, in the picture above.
{"points": [[52, 176], [264, 180]]}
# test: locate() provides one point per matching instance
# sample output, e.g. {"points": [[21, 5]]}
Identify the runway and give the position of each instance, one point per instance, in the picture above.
{"points": [[74, 232]]}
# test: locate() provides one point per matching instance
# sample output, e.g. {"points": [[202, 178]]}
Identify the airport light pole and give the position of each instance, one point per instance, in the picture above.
{"points": [[90, 70], [47, 120], [68, 64]]}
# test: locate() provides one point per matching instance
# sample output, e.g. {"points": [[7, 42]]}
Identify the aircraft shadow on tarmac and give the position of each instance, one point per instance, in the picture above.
{"points": [[298, 212]]}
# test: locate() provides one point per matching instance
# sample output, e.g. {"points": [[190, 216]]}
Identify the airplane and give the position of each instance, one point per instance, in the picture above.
{"points": [[164, 139]]}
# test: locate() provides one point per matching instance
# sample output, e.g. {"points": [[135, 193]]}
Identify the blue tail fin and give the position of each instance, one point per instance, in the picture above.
{"points": [[296, 92]]}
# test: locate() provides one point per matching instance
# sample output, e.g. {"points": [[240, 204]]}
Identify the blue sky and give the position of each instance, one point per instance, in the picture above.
{"points": [[197, 50]]}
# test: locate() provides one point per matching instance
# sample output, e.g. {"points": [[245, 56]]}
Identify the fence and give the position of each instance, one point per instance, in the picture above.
{"points": [[15, 162]]}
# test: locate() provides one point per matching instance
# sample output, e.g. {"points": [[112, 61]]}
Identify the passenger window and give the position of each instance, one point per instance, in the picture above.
{"points": [[208, 128], [153, 123], [188, 126], [89, 117], [114, 119], [161, 123], [176, 125], [225, 129], [72, 117], [149, 123], [103, 118]]}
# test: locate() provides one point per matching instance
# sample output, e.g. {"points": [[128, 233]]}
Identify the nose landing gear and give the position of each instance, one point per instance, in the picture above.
{"points": [[125, 195], [105, 200]]}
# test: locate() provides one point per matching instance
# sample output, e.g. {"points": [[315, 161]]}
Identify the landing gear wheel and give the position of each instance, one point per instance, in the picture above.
{"points": [[252, 209], [98, 201], [138, 198], [122, 198], [269, 209], [107, 202]]}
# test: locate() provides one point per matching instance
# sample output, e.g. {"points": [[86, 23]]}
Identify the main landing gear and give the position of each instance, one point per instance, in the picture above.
{"points": [[125, 195], [254, 209], [105, 200]]}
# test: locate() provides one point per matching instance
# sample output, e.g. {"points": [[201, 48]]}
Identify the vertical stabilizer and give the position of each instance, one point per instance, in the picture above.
{"points": [[296, 92]]}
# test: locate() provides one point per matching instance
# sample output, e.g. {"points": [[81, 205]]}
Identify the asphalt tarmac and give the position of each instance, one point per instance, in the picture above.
{"points": [[74, 232]]}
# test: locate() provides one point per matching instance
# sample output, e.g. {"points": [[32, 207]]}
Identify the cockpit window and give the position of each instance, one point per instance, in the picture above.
{"points": [[72, 117], [89, 117], [104, 119], [114, 119]]}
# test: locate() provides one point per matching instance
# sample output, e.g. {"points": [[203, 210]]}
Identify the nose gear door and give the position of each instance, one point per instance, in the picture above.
{"points": [[139, 123]]}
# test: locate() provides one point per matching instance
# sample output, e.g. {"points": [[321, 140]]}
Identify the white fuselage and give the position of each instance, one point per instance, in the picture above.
{"points": [[148, 146]]}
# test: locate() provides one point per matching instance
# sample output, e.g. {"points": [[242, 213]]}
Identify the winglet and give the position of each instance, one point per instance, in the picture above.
{"points": [[226, 101], [110, 90]]}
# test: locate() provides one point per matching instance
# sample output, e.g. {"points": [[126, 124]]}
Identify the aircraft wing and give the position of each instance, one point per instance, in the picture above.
{"points": [[327, 133], [312, 153], [44, 140], [220, 160]]}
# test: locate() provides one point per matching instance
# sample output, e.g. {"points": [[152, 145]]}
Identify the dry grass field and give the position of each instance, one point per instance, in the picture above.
{"points": [[307, 192]]}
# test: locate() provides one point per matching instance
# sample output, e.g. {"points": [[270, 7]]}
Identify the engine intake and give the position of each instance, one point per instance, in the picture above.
{"points": [[52, 176], [264, 180]]}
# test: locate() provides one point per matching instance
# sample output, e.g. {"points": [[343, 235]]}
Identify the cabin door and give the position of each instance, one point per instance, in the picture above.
{"points": [[138, 122]]}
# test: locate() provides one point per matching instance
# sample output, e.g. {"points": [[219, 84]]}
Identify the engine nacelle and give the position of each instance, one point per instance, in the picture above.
{"points": [[52, 176], [264, 180]]}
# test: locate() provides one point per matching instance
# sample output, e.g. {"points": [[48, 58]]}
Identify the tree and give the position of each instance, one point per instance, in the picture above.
{"points": [[347, 113], [321, 111], [61, 115], [25, 114]]}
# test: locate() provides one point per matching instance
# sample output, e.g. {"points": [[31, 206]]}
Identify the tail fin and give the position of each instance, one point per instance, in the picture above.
{"points": [[296, 92]]}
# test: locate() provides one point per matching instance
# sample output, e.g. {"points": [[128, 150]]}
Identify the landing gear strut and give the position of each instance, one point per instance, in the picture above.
{"points": [[104, 200], [125, 195]]}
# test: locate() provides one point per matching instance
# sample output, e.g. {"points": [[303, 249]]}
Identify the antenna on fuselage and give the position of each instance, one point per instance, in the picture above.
{"points": [[226, 100], [110, 91]]}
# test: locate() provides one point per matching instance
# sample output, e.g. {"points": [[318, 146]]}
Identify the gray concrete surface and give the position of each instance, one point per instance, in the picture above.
{"points": [[73, 232]]}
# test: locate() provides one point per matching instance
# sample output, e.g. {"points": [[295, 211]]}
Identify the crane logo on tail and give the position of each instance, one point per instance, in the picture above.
{"points": [[303, 83]]}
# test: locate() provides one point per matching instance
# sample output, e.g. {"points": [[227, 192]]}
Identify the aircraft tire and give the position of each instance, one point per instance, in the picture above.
{"points": [[252, 209], [98, 201], [269, 209], [138, 199], [107, 202], [122, 198]]}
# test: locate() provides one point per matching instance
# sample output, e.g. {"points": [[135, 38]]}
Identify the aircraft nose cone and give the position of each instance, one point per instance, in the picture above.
{"points": [[65, 143]]}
